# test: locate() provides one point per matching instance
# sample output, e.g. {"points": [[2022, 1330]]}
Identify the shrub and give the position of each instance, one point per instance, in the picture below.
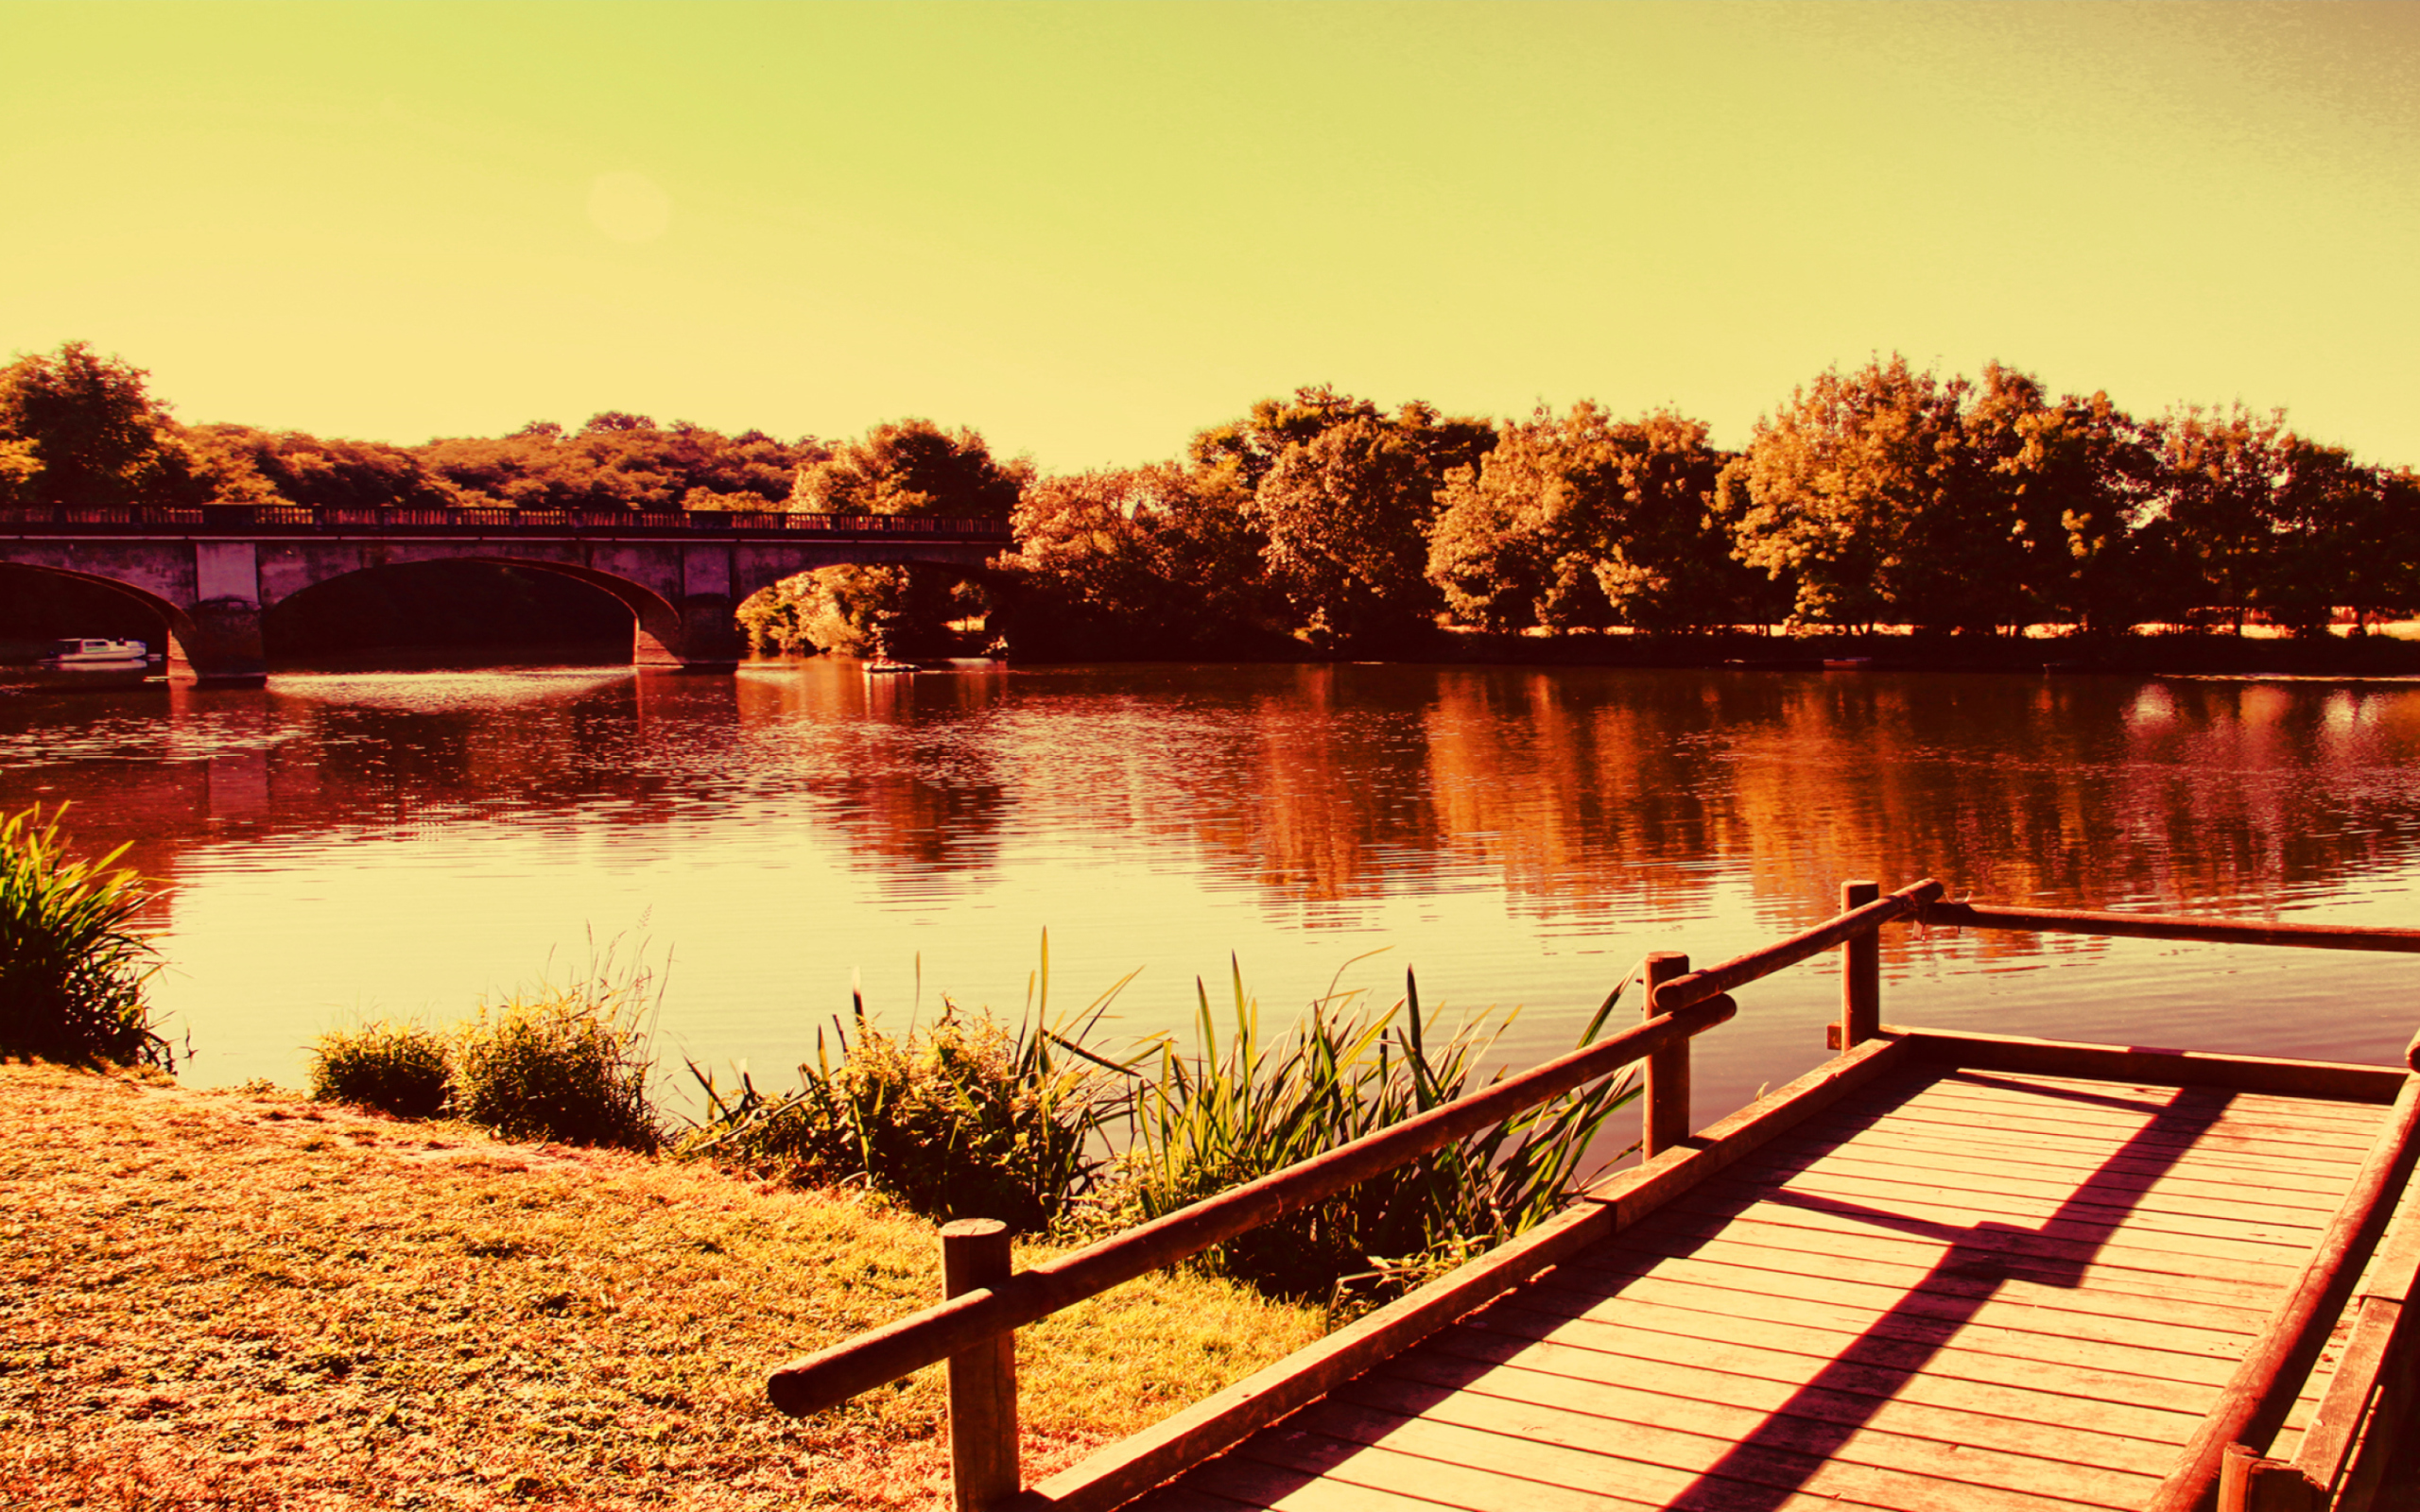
{"points": [[960, 1119], [72, 974], [567, 1062], [397, 1068]]}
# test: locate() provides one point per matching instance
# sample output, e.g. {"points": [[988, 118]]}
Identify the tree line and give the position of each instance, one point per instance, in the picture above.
{"points": [[1882, 495]]}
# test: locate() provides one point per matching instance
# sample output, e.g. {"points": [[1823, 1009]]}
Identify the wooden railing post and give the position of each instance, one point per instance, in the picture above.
{"points": [[1860, 973], [984, 1377], [1666, 1110]]}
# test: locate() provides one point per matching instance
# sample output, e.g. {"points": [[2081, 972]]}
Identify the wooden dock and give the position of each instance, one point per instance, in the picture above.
{"points": [[1942, 1273]]}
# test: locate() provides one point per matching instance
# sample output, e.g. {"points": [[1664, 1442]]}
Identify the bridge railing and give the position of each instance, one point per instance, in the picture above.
{"points": [[244, 519]]}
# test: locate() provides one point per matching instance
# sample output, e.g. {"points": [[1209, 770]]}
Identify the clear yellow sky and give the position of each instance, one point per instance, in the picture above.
{"points": [[1087, 230]]}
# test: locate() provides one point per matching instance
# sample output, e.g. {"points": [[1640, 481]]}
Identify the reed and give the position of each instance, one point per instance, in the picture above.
{"points": [[961, 1118], [72, 972], [1238, 1109]]}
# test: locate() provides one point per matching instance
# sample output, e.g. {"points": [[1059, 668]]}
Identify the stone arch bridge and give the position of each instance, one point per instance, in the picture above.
{"points": [[211, 571]]}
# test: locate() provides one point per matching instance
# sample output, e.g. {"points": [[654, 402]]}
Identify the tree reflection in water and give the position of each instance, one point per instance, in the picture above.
{"points": [[1521, 834]]}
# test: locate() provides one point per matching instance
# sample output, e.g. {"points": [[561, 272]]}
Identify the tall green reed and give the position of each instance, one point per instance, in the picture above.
{"points": [[72, 972], [1239, 1110], [961, 1118]]}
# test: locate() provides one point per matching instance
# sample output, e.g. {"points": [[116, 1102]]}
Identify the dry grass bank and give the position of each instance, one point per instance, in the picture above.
{"points": [[219, 1299]]}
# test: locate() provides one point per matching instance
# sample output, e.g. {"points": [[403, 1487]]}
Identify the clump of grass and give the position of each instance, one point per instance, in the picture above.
{"points": [[72, 973], [565, 1061], [397, 1068], [959, 1119], [1227, 1116]]}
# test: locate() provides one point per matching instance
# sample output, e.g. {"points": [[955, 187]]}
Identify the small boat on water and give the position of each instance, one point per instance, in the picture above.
{"points": [[73, 654]]}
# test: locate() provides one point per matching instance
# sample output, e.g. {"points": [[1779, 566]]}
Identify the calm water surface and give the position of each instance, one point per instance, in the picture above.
{"points": [[337, 845]]}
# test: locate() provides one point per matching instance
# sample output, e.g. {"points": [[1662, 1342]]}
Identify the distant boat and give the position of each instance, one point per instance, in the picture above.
{"points": [[90, 653], [1847, 664]]}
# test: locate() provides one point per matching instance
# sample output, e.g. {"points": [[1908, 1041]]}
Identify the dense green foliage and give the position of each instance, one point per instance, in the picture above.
{"points": [[72, 972], [1879, 495], [397, 1068]]}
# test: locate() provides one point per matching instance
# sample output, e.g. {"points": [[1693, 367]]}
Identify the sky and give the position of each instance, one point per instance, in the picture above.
{"points": [[1089, 231]]}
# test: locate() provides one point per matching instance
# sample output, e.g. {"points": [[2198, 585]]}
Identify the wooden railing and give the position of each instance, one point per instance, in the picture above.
{"points": [[244, 519], [986, 1301], [970, 1329]]}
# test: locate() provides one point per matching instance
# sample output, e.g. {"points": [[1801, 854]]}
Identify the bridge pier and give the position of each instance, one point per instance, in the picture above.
{"points": [[220, 646], [698, 635]]}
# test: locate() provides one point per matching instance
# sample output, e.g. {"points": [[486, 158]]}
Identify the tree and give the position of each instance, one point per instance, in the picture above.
{"points": [[911, 468], [1347, 517], [96, 437], [2076, 481], [1343, 496], [2221, 470], [1154, 561], [1891, 494]]}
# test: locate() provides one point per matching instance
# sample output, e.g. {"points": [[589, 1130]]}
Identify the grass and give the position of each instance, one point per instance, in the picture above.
{"points": [[243, 1299], [72, 974], [396, 1068]]}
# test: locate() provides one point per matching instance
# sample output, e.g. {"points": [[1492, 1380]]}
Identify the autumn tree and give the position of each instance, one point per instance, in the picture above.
{"points": [[1577, 519], [91, 433], [1889, 494], [1156, 560], [1343, 495], [911, 468]]}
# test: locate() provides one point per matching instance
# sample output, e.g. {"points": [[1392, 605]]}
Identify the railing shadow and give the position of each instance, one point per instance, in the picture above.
{"points": [[1898, 1345]]}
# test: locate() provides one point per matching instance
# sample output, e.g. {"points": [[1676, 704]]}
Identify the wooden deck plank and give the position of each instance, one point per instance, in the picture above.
{"points": [[2355, 1113], [2149, 1305], [1910, 1188], [2079, 1243], [1748, 1375], [1820, 1246], [2151, 1186], [2161, 1124], [1291, 1470], [1568, 1450], [2176, 1130], [1298, 1453], [1720, 1305], [1957, 1359], [2319, 1159], [1737, 1408], [1965, 1307], [1888, 1143]]}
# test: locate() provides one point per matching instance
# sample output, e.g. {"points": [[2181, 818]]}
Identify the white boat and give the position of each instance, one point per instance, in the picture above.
{"points": [[90, 653]]}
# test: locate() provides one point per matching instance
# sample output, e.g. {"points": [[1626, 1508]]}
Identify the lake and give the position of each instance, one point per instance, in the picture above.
{"points": [[402, 843]]}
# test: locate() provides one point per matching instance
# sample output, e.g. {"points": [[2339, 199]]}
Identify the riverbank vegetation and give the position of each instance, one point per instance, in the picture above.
{"points": [[1322, 523], [72, 972], [241, 1300]]}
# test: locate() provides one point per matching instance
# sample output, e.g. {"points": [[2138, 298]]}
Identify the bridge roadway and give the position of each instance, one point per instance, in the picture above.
{"points": [[210, 573]]}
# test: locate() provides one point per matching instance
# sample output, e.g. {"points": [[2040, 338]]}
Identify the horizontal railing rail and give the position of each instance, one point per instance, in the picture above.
{"points": [[1764, 961], [241, 518], [2170, 926], [835, 1374]]}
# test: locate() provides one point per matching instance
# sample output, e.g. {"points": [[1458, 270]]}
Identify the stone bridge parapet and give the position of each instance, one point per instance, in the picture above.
{"points": [[212, 572]]}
